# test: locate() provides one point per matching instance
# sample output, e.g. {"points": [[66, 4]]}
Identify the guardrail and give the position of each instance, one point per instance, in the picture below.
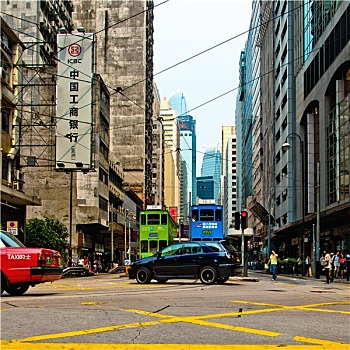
{"points": [[77, 271]]}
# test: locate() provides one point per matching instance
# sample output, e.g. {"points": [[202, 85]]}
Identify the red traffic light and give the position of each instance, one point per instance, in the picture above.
{"points": [[244, 219]]}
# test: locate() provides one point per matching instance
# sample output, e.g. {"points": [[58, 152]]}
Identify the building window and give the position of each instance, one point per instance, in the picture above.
{"points": [[338, 158], [103, 203], [5, 120], [104, 149], [103, 176], [5, 169]]}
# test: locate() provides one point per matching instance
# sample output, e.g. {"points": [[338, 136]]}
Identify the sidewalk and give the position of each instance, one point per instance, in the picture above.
{"points": [[321, 279]]}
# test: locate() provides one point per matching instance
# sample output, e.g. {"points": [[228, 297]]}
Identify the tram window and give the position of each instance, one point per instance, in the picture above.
{"points": [[162, 244], [196, 239], [207, 215], [143, 219], [207, 239], [218, 215], [153, 246], [164, 219], [195, 215], [144, 246], [153, 219]]}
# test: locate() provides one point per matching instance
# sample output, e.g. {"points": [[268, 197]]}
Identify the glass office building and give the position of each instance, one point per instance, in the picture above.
{"points": [[188, 144], [210, 175]]}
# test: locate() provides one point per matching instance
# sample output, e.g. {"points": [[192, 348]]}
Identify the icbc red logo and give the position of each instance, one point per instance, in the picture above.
{"points": [[74, 50]]}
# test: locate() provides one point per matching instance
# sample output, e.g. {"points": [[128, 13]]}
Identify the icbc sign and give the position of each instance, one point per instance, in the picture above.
{"points": [[74, 50], [74, 92]]}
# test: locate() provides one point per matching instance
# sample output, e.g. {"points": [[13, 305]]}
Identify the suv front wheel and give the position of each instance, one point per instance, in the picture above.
{"points": [[143, 275], [208, 275]]}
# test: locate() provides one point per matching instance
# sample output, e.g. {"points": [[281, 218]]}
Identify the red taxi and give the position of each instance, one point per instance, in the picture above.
{"points": [[22, 267]]}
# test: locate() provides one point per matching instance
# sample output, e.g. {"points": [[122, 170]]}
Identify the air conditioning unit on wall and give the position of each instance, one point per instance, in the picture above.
{"points": [[15, 185]]}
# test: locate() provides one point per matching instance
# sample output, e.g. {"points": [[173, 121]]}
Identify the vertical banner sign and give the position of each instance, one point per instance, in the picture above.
{"points": [[74, 102], [173, 213]]}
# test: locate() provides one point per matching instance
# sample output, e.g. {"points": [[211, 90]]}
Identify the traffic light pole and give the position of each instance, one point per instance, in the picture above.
{"points": [[244, 262]]}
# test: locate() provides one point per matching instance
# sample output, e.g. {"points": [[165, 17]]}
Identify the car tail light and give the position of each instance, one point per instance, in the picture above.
{"points": [[41, 259]]}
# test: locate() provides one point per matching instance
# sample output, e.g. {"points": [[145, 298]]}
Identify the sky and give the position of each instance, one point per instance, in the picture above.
{"points": [[184, 28]]}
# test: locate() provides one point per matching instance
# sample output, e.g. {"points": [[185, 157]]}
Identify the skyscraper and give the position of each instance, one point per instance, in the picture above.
{"points": [[229, 181], [172, 155], [188, 161], [178, 102], [188, 142], [210, 175]]}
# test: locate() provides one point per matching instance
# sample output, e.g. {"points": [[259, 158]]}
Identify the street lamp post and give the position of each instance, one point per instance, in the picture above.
{"points": [[286, 147], [112, 234], [129, 217], [125, 234], [70, 219]]}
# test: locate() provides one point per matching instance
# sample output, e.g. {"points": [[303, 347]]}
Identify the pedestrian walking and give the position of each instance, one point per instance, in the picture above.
{"points": [[331, 269], [308, 266], [342, 261], [273, 265], [336, 265], [328, 267]]}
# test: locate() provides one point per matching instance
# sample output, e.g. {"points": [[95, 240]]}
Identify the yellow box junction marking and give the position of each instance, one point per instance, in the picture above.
{"points": [[308, 307], [25, 343]]}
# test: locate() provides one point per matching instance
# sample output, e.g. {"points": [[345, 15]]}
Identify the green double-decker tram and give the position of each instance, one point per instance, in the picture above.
{"points": [[157, 231]]}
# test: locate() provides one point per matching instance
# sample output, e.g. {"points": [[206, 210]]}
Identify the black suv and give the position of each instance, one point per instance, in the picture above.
{"points": [[209, 261]]}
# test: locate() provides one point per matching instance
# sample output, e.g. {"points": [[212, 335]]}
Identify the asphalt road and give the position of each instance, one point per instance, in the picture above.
{"points": [[111, 312]]}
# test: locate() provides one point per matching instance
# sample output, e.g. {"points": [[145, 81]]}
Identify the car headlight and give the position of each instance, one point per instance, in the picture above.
{"points": [[228, 256]]}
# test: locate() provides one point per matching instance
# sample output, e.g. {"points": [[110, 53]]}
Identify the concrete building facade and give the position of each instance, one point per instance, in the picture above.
{"points": [[14, 197], [172, 155], [230, 179], [124, 57]]}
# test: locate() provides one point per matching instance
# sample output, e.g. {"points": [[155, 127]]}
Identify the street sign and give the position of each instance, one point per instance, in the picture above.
{"points": [[12, 227]]}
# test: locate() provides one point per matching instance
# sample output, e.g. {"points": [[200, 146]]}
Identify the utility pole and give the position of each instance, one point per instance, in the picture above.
{"points": [[129, 241], [112, 233], [318, 223]]}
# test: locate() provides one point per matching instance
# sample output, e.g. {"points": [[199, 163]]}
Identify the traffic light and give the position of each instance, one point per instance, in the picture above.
{"points": [[237, 220], [244, 219]]}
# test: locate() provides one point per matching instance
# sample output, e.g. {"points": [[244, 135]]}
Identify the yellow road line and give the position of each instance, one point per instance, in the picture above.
{"points": [[307, 307], [199, 321], [318, 341], [90, 331], [194, 320], [7, 345], [226, 314]]}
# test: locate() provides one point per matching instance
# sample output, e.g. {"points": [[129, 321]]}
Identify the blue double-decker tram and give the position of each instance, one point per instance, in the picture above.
{"points": [[206, 222]]}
